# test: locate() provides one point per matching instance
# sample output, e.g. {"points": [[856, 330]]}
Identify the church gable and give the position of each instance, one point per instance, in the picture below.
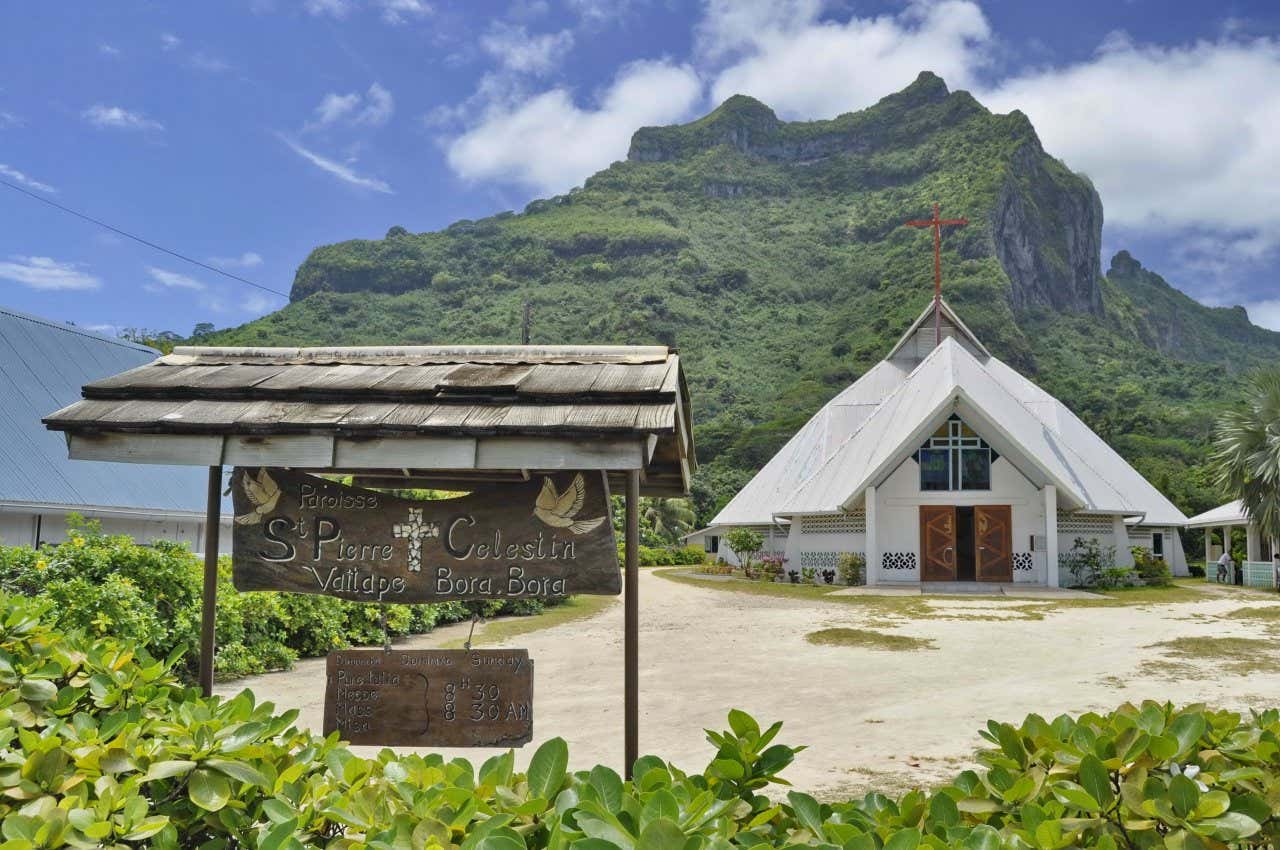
{"points": [[927, 332]]}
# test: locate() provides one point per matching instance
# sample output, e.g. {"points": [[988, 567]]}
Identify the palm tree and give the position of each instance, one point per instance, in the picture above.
{"points": [[669, 518], [1247, 451]]}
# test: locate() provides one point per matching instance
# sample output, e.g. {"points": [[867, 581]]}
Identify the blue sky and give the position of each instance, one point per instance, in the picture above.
{"points": [[245, 133]]}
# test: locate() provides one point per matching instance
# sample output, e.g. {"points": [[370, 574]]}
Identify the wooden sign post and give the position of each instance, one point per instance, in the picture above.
{"points": [[546, 537], [431, 697]]}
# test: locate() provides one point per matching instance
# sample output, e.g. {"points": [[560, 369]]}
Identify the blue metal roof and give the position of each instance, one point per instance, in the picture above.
{"points": [[43, 365]]}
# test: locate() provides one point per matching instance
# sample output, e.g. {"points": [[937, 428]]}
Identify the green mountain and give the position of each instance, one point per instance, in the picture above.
{"points": [[773, 255]]}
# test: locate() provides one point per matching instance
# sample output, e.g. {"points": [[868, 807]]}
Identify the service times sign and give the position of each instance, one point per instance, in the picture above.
{"points": [[430, 697], [550, 536]]}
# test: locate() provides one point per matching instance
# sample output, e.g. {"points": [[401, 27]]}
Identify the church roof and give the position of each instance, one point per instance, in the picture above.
{"points": [[865, 432]]}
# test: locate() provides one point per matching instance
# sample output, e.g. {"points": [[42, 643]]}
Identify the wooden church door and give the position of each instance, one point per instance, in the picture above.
{"points": [[938, 543], [993, 533]]}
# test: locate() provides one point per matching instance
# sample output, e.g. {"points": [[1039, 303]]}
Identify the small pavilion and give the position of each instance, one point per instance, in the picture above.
{"points": [[1257, 569]]}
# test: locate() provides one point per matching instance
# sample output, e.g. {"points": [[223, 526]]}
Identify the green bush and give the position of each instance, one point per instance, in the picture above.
{"points": [[1152, 570], [151, 595], [666, 556], [852, 567], [101, 747]]}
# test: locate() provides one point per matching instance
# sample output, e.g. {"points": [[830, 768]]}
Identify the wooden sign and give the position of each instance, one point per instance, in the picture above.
{"points": [[550, 536], [430, 697]]}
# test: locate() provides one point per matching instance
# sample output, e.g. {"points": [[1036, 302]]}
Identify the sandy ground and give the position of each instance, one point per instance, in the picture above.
{"points": [[873, 717]]}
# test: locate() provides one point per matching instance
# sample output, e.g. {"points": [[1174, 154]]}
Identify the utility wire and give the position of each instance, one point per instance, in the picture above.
{"points": [[142, 241]]}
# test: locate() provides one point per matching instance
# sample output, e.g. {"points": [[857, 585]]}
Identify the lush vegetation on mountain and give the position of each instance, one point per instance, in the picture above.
{"points": [[773, 255]]}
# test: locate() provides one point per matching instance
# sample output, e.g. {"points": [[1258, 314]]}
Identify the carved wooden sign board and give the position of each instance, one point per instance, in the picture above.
{"points": [[430, 697], [549, 536]]}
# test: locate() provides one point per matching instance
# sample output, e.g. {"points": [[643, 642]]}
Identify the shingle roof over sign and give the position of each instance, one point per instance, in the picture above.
{"points": [[588, 394], [43, 364]]}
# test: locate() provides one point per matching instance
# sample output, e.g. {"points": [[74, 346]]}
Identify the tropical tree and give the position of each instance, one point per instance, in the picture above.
{"points": [[668, 518], [1247, 451], [746, 543]]}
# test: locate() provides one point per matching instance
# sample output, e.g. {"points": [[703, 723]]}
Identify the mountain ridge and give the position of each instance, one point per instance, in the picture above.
{"points": [[772, 253]]}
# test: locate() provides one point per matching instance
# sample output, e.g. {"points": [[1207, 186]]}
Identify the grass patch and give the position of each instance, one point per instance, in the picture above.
{"points": [[894, 609], [867, 639], [1266, 617], [1233, 655], [505, 628]]}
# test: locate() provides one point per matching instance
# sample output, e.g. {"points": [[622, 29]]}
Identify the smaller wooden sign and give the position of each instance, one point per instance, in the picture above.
{"points": [[430, 697]]}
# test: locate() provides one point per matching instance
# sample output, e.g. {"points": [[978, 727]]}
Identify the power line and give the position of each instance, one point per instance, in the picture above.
{"points": [[142, 241]]}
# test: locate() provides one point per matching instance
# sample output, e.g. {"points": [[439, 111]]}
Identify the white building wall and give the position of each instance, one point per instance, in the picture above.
{"points": [[1174, 556], [775, 541], [20, 529], [898, 520]]}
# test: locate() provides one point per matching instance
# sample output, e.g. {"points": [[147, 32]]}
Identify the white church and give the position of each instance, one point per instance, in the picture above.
{"points": [[943, 464]]}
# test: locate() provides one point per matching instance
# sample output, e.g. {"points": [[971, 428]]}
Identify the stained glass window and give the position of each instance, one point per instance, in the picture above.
{"points": [[955, 458]]}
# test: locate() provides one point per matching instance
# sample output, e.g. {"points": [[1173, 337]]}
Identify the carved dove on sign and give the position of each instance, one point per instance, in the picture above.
{"points": [[263, 492], [559, 510]]}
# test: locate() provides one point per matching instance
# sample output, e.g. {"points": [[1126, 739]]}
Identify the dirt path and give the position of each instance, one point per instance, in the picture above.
{"points": [[872, 717]]}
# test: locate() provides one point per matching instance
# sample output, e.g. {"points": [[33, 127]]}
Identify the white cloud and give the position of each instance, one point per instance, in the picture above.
{"points": [[1265, 314], [807, 67], [45, 273], [334, 106], [549, 143], [169, 41], [8, 119], [247, 260], [331, 8], [108, 50], [373, 109], [338, 169], [597, 12], [23, 180], [116, 117], [518, 51], [165, 279], [401, 11], [1173, 137], [203, 61], [260, 302]]}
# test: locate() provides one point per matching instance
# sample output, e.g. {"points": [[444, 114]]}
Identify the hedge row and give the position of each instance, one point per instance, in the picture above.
{"points": [[102, 747], [150, 595]]}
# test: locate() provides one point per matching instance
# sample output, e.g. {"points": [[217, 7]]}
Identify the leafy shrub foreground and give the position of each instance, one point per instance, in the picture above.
{"points": [[102, 747], [150, 596]]}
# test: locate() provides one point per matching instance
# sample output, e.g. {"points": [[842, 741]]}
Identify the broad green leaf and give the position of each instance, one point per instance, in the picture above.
{"points": [[238, 770], [1095, 779], [208, 790], [147, 828], [608, 786], [808, 812], [982, 837], [903, 839], [1229, 827], [547, 768], [278, 835], [1184, 795], [943, 811], [743, 724], [167, 769], [1075, 796], [662, 834], [1186, 730]]}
